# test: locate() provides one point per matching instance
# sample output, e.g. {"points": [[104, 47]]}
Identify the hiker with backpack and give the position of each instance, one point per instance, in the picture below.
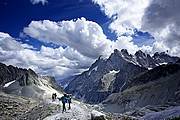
{"points": [[63, 99], [69, 101], [54, 95]]}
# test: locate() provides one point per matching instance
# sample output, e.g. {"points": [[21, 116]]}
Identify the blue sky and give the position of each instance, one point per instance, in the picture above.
{"points": [[18, 14], [64, 37]]}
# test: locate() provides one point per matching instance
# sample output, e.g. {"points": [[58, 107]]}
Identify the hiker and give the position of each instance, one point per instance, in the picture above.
{"points": [[63, 99], [69, 101], [53, 97]]}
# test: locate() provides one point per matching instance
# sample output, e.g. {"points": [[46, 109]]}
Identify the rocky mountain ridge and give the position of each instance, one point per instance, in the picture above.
{"points": [[26, 83], [113, 75], [145, 60]]}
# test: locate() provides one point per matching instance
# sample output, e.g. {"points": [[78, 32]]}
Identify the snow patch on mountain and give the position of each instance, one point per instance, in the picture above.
{"points": [[48, 90], [9, 83], [150, 68], [157, 64], [94, 69], [114, 72], [135, 63], [96, 113], [123, 86], [108, 78], [164, 63]]}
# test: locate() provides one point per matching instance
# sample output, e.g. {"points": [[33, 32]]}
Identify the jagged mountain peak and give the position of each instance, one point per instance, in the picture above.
{"points": [[116, 50], [156, 54], [164, 53], [124, 51], [148, 56], [99, 81], [119, 58], [139, 53]]}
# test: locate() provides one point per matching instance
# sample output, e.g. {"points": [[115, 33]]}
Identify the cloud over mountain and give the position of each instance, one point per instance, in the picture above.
{"points": [[58, 62], [157, 17], [126, 14], [161, 19], [82, 41]]}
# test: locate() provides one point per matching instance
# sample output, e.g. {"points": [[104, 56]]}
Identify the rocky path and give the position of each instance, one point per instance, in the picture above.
{"points": [[78, 111], [14, 107]]}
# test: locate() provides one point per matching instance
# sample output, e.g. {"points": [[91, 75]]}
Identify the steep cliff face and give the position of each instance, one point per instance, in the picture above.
{"points": [[155, 87], [126, 70], [114, 74], [10, 73], [161, 71], [26, 83]]}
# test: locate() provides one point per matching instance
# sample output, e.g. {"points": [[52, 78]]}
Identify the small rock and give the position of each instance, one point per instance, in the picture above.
{"points": [[9, 107], [96, 115]]}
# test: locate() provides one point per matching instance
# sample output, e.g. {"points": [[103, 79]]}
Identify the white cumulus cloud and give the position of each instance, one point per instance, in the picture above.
{"points": [[125, 42], [39, 1], [161, 19], [86, 37], [126, 14], [84, 41], [59, 62]]}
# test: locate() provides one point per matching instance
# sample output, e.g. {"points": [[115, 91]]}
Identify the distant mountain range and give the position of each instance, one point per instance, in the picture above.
{"points": [[64, 82], [115, 74]]}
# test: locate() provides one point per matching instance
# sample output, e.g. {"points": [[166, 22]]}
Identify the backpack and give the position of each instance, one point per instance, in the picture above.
{"points": [[69, 100], [64, 99]]}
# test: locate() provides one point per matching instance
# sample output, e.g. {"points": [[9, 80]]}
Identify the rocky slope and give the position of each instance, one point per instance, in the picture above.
{"points": [[26, 83], [155, 87], [13, 107], [114, 74]]}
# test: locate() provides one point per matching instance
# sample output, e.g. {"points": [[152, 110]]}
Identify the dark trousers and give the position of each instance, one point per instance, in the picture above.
{"points": [[64, 107], [69, 105]]}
